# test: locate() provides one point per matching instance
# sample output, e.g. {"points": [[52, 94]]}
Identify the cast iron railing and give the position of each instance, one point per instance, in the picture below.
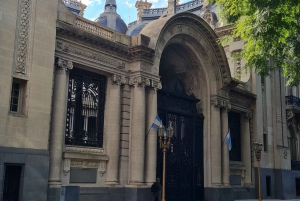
{"points": [[295, 165], [292, 100]]}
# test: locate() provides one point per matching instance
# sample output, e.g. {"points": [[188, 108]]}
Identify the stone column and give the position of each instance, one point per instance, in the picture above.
{"points": [[113, 129], [137, 138], [225, 149], [58, 120], [215, 123], [246, 148], [151, 138]]}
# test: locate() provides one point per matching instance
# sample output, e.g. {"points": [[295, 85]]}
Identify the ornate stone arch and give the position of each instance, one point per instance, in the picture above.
{"points": [[205, 45]]}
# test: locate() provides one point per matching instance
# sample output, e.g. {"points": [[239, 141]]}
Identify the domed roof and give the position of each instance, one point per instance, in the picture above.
{"points": [[110, 18]]}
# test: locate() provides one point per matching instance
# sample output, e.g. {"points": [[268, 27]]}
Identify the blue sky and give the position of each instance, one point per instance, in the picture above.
{"points": [[125, 8]]}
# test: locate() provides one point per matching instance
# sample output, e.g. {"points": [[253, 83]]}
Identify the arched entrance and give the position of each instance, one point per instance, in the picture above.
{"points": [[177, 103], [194, 73]]}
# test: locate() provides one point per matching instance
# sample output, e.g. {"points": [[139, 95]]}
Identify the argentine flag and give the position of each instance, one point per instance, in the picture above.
{"points": [[156, 123], [228, 140]]}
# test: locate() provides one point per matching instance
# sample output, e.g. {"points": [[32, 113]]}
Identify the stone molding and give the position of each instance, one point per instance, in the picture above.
{"points": [[84, 158], [118, 79], [23, 37], [84, 150], [220, 102], [64, 64], [139, 81], [213, 54], [68, 48]]}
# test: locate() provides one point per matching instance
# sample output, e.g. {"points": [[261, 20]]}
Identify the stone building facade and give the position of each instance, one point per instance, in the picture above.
{"points": [[77, 100]]}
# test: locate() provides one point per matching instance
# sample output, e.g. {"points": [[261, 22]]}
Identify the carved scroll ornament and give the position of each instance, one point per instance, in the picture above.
{"points": [[23, 37]]}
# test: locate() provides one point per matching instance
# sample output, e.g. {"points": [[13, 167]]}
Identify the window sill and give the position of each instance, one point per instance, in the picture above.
{"points": [[16, 114]]}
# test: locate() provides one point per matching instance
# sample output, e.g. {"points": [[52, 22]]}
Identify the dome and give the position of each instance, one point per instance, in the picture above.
{"points": [[111, 19]]}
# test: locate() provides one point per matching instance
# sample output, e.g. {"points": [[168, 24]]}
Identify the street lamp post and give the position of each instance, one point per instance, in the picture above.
{"points": [[164, 145], [257, 146]]}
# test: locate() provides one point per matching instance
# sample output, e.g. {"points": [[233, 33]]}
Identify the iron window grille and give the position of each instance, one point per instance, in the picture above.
{"points": [[85, 110]]}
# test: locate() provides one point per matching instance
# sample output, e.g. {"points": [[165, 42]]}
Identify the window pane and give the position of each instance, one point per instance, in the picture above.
{"points": [[16, 85], [15, 93], [15, 101], [14, 108]]}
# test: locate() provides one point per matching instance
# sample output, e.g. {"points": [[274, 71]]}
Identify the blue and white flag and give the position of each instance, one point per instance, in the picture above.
{"points": [[156, 123], [228, 140]]}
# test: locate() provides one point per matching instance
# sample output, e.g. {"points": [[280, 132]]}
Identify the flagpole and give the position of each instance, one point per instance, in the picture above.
{"points": [[147, 133]]}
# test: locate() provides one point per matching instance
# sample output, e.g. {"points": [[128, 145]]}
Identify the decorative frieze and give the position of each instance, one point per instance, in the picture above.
{"points": [[118, 80], [220, 102], [64, 47], [23, 37], [84, 150], [63, 64]]}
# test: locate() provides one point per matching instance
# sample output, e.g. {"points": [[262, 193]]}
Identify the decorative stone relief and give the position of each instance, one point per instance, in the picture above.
{"points": [[23, 37], [60, 46], [156, 84], [67, 166], [63, 64], [139, 81], [85, 150], [117, 79], [210, 18], [220, 102], [102, 168]]}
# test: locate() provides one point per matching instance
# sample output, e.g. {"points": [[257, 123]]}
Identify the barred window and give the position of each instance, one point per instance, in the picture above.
{"points": [[85, 111]]}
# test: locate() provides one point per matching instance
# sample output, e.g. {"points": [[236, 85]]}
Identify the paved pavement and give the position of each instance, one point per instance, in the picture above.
{"points": [[270, 200]]}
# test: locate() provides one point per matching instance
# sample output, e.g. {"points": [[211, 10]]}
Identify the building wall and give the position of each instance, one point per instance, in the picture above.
{"points": [[27, 41], [28, 128]]}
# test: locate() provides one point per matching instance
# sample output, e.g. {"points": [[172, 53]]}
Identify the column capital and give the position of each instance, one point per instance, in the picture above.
{"points": [[118, 79], [139, 81], [63, 64], [155, 85], [220, 102]]}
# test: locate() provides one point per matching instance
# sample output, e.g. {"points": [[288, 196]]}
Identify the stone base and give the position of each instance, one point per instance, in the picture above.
{"points": [[283, 183], [218, 194], [34, 181], [107, 194]]}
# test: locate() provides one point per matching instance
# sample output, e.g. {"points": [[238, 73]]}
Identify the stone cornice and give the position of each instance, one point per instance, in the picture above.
{"points": [[241, 100], [224, 30], [141, 53], [110, 47]]}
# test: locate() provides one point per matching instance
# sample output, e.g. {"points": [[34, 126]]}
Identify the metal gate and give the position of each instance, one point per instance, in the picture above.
{"points": [[184, 163]]}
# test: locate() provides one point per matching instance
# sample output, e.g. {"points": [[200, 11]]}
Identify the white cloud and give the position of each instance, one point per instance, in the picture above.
{"points": [[128, 4], [91, 2]]}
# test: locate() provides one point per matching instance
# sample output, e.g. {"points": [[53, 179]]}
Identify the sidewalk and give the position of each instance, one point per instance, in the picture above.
{"points": [[270, 200]]}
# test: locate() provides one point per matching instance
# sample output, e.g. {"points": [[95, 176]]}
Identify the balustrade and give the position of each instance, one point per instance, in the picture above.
{"points": [[292, 100], [295, 165], [94, 29]]}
